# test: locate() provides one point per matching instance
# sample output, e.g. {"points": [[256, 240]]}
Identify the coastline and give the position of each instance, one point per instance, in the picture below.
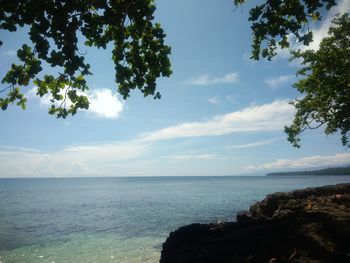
{"points": [[42, 224], [307, 225], [331, 171]]}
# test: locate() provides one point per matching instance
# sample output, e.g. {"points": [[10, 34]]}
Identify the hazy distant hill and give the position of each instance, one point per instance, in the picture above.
{"points": [[327, 171]]}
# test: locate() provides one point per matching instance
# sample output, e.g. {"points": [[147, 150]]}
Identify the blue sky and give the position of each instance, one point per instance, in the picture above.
{"points": [[220, 113]]}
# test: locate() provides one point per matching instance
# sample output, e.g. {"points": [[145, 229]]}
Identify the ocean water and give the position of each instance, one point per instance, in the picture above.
{"points": [[121, 219]]}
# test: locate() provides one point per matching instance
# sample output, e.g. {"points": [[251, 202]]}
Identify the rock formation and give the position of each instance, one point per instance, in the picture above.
{"points": [[309, 225]]}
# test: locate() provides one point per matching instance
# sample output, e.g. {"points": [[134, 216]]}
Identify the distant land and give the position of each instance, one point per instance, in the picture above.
{"points": [[327, 171]]}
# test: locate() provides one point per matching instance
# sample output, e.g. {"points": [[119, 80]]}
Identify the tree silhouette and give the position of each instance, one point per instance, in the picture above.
{"points": [[139, 53]]}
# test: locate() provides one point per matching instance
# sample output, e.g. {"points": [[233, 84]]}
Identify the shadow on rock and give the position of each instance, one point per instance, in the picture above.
{"points": [[308, 225]]}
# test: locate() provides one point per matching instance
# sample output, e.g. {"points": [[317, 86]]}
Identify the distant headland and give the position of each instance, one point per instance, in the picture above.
{"points": [[326, 171]]}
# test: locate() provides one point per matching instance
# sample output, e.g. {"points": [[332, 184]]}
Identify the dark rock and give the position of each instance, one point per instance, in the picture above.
{"points": [[309, 225]]}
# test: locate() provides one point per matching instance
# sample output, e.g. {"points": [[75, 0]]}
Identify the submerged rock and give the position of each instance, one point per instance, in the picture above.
{"points": [[308, 225]]}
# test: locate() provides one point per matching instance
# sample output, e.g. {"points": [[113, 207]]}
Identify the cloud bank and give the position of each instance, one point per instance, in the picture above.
{"points": [[126, 157], [305, 162], [267, 117], [98, 160]]}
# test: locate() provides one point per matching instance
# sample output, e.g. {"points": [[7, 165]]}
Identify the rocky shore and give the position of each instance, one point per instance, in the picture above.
{"points": [[308, 225]]}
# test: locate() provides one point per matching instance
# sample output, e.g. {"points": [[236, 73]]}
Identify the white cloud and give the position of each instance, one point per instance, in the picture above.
{"points": [[252, 145], [274, 82], [100, 160], [305, 162], [11, 148], [214, 100], [231, 98], [11, 52], [186, 157], [267, 117], [207, 80], [217, 100], [103, 103]]}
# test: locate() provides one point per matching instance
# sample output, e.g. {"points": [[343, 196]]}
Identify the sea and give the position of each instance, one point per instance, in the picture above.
{"points": [[121, 219]]}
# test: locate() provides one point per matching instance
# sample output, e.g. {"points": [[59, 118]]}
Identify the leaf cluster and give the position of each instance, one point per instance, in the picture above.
{"points": [[275, 22], [140, 54], [325, 85]]}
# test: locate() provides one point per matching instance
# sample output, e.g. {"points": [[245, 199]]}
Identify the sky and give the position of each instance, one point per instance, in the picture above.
{"points": [[220, 113]]}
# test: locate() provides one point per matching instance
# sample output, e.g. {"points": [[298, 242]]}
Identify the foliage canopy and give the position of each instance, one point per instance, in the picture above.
{"points": [[325, 86], [139, 52], [274, 22]]}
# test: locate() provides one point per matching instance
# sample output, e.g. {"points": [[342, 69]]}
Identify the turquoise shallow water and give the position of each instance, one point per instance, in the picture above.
{"points": [[120, 219]]}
